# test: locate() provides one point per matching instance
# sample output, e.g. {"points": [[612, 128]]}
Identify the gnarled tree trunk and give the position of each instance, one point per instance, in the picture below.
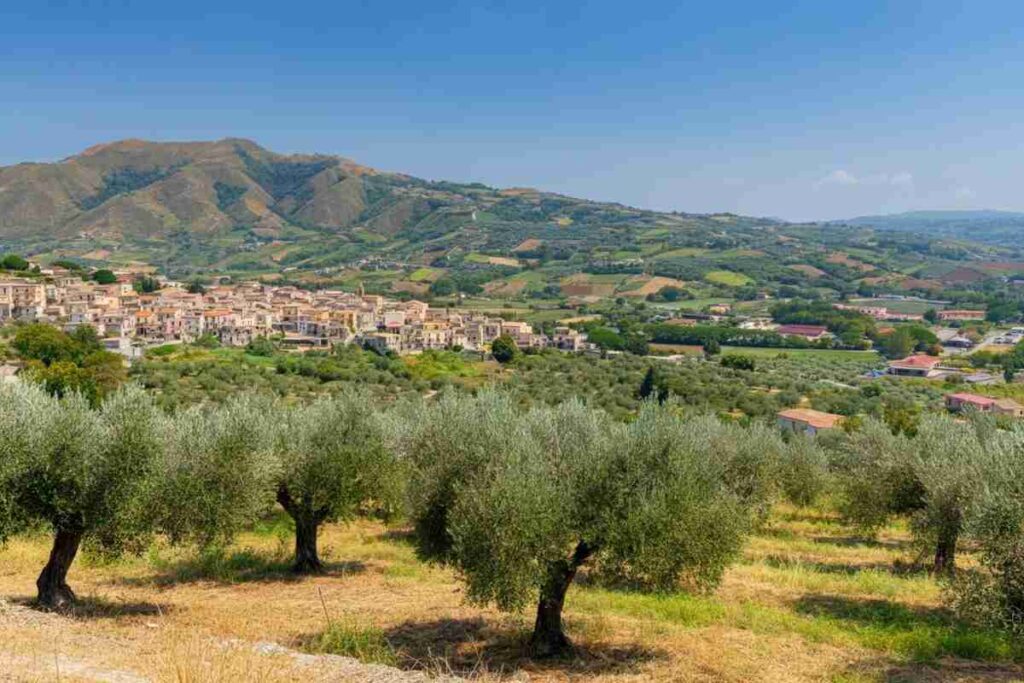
{"points": [[54, 592], [307, 560], [307, 524], [945, 553], [549, 639], [945, 546]]}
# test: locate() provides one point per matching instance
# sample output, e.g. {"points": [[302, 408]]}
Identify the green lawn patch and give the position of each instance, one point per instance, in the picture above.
{"points": [[727, 278]]}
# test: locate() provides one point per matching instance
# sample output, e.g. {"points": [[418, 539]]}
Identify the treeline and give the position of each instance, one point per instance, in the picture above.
{"points": [[700, 335], [517, 500]]}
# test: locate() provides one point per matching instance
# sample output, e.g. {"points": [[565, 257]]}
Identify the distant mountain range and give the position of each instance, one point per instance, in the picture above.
{"points": [[232, 204], [994, 227], [232, 207]]}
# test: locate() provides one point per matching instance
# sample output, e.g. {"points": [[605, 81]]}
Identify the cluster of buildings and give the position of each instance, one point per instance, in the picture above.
{"points": [[237, 314], [880, 312], [811, 422]]}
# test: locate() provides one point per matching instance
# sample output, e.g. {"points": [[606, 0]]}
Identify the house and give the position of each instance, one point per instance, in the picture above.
{"points": [[808, 332], [919, 365], [808, 421], [961, 401], [959, 342], [962, 315]]}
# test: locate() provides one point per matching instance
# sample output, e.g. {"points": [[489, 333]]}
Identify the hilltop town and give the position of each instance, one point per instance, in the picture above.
{"points": [[236, 314]]}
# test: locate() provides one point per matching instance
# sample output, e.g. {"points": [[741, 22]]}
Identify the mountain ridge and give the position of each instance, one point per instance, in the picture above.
{"points": [[1003, 228]]}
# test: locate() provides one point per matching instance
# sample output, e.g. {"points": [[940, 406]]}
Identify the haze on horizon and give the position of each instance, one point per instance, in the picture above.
{"points": [[799, 110]]}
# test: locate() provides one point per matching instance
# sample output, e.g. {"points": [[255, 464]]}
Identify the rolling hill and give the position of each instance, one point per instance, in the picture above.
{"points": [[233, 207], [995, 227]]}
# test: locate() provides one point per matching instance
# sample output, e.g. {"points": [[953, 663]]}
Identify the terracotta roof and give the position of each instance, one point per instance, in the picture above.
{"points": [[920, 361], [973, 399], [814, 418], [802, 330]]}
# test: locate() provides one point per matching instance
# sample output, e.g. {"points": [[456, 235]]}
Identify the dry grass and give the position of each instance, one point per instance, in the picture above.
{"points": [[808, 602]]}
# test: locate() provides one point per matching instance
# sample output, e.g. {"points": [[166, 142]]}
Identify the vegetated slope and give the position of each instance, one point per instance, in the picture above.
{"points": [[233, 206], [206, 200], [995, 227]]}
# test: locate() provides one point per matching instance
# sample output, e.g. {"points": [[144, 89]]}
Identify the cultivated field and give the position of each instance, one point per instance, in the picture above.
{"points": [[808, 602]]}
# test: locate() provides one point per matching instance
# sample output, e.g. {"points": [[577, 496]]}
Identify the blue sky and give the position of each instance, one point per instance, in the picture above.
{"points": [[802, 110]]}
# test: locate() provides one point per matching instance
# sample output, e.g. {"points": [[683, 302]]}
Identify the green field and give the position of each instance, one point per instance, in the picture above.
{"points": [[426, 274], [727, 278], [686, 252], [908, 307], [834, 354]]}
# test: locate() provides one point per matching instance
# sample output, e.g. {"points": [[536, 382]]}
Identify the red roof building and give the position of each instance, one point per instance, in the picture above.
{"points": [[810, 332], [808, 421], [919, 365]]}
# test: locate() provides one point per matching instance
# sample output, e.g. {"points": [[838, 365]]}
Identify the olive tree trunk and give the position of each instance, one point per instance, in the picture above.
{"points": [[549, 639], [945, 546], [307, 524], [54, 592], [945, 553], [307, 559]]}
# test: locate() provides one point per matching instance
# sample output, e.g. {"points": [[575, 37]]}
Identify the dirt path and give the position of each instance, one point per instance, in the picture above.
{"points": [[37, 646]]}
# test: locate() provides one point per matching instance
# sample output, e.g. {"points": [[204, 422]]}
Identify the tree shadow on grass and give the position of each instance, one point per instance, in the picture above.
{"points": [[809, 516], [241, 566], [400, 535], [897, 568], [863, 542], [924, 635], [945, 670], [92, 607], [467, 647], [872, 611]]}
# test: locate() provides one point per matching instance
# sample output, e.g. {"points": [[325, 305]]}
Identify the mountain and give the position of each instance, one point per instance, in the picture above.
{"points": [[994, 227], [202, 204], [232, 207], [143, 189]]}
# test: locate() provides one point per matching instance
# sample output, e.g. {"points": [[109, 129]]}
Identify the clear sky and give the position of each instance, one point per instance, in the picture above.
{"points": [[801, 110]]}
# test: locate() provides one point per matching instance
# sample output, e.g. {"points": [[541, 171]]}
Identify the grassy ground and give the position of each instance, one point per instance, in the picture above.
{"points": [[807, 602]]}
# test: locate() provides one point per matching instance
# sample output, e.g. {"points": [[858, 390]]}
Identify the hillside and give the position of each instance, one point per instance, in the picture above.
{"points": [[995, 227], [233, 207]]}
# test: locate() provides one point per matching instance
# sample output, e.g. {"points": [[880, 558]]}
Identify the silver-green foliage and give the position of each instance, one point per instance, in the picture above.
{"points": [[331, 456], [995, 595], [220, 469], [74, 468], [935, 477], [506, 495], [803, 472]]}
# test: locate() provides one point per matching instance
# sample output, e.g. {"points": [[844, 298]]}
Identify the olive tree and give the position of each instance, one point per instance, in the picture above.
{"points": [[803, 470], [948, 464], [934, 477], [89, 475], [876, 476], [994, 596], [331, 461], [518, 502], [220, 470], [442, 444]]}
